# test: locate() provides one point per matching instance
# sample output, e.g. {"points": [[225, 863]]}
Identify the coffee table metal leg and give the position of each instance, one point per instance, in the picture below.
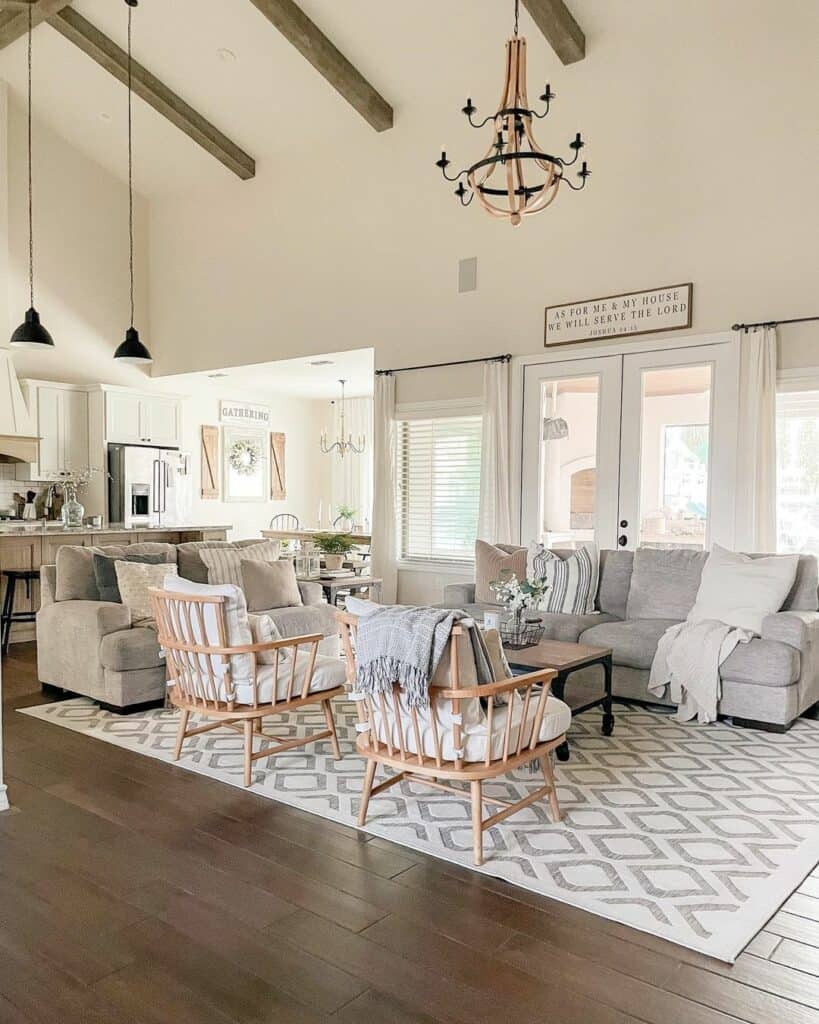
{"points": [[608, 713], [558, 687]]}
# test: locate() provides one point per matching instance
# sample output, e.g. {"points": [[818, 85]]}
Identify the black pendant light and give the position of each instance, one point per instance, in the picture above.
{"points": [[131, 350], [31, 333]]}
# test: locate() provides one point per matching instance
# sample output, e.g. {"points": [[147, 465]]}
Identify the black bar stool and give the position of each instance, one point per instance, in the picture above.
{"points": [[8, 615]]}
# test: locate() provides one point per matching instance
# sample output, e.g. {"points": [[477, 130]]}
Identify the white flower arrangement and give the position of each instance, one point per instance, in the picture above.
{"points": [[517, 596]]}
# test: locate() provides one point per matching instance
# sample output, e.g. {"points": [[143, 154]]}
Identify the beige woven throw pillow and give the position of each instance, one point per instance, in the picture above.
{"points": [[491, 562]]}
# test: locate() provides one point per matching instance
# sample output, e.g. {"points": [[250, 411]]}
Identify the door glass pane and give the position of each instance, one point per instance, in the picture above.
{"points": [[676, 424], [797, 471], [568, 464]]}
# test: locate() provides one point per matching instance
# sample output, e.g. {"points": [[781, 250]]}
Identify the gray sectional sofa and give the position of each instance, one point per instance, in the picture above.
{"points": [[766, 683], [89, 647]]}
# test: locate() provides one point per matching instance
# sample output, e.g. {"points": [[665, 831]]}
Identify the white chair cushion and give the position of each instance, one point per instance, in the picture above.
{"points": [[328, 673], [557, 718]]}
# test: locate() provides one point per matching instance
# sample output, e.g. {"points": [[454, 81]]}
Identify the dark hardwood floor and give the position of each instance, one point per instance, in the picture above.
{"points": [[132, 891]]}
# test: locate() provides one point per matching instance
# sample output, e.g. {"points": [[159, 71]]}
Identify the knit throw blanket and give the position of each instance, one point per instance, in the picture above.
{"points": [[403, 645]]}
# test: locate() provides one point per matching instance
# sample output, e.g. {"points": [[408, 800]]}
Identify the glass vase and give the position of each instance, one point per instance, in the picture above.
{"points": [[73, 513]]}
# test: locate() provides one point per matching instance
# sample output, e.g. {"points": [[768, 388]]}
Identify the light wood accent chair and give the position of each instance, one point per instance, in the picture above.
{"points": [[468, 734], [229, 684]]}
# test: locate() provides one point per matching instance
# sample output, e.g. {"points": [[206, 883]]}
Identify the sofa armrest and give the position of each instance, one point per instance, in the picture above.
{"points": [[48, 584], [311, 593], [796, 629], [86, 620], [458, 594]]}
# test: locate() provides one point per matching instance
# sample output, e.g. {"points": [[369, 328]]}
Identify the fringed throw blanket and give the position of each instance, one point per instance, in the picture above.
{"points": [[403, 645], [688, 660]]}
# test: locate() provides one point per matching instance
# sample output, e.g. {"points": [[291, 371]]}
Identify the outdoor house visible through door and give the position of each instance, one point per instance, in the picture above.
{"points": [[622, 449]]}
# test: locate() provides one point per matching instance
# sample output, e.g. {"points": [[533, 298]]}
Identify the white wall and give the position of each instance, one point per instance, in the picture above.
{"points": [[81, 258], [307, 470], [675, 100]]}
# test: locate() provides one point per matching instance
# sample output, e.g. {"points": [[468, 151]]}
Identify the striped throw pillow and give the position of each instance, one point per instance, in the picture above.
{"points": [[572, 581], [224, 565]]}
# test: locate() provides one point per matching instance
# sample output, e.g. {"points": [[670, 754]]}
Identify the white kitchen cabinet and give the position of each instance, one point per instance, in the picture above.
{"points": [[61, 417], [131, 418]]}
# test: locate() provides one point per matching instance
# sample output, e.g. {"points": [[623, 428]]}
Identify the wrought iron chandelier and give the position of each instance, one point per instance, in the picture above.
{"points": [[514, 150], [344, 443]]}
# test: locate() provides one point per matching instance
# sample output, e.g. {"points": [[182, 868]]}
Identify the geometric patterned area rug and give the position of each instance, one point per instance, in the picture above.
{"points": [[694, 833]]}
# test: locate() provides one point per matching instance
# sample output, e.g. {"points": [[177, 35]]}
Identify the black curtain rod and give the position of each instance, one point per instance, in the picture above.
{"points": [[774, 323], [455, 362]]}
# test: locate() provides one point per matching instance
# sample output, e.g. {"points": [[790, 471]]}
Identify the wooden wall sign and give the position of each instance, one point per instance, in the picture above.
{"points": [[244, 414], [278, 488], [615, 316], [210, 462]]}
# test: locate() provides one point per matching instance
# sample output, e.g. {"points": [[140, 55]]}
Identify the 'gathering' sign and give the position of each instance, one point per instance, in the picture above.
{"points": [[660, 309], [244, 414]]}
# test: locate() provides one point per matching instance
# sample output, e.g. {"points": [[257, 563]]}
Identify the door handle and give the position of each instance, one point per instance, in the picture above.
{"points": [[622, 540]]}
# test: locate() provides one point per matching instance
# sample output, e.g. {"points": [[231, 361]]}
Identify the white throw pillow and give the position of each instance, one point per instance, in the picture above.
{"points": [[360, 606], [224, 565], [572, 581], [740, 591], [135, 579]]}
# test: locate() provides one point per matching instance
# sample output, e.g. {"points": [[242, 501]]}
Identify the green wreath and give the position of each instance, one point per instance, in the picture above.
{"points": [[245, 457]]}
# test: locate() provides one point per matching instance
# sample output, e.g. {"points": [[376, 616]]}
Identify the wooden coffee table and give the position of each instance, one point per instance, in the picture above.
{"points": [[566, 658]]}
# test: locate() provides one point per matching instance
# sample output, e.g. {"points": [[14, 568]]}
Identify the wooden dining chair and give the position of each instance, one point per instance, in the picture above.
{"points": [[469, 733], [239, 685], [284, 521]]}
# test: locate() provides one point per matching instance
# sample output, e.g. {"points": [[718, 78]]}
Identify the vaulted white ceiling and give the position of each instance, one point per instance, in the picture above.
{"points": [[269, 100]]}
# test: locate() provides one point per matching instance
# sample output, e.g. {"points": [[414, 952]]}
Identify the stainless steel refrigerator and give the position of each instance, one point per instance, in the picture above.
{"points": [[148, 486]]}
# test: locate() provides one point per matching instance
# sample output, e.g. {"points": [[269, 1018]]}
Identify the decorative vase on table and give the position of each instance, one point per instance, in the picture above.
{"points": [[520, 626], [73, 510]]}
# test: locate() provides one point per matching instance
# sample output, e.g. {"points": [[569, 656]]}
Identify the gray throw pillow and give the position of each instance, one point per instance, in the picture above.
{"points": [[105, 572], [269, 585]]}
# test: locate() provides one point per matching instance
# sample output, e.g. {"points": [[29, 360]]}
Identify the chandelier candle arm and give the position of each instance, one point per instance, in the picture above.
{"points": [[345, 443], [514, 150]]}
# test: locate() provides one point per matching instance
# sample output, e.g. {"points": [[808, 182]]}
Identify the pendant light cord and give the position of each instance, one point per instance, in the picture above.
{"points": [[130, 177], [517, 12], [30, 185]]}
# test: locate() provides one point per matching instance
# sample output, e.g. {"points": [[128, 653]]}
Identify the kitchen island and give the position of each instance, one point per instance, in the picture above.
{"points": [[30, 545]]}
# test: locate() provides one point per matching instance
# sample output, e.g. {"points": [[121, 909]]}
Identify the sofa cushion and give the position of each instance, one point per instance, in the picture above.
{"points": [[633, 643], [804, 594], [106, 575], [615, 580], [304, 619], [765, 662], [135, 579], [75, 574], [569, 627], [491, 562], [130, 649], [269, 584], [664, 582]]}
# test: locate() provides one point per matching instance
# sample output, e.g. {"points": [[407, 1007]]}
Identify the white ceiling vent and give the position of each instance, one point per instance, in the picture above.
{"points": [[468, 274]]}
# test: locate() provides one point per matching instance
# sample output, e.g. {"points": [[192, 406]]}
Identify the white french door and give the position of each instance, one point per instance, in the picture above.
{"points": [[631, 449]]}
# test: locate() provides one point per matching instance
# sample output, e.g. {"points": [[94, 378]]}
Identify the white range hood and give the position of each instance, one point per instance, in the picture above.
{"points": [[18, 438]]}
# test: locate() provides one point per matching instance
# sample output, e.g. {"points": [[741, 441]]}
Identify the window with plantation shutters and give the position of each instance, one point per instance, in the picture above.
{"points": [[439, 476]]}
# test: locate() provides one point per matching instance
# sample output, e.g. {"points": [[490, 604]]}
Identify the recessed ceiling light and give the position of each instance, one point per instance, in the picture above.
{"points": [[322, 362], [105, 116], [225, 55], [213, 376]]}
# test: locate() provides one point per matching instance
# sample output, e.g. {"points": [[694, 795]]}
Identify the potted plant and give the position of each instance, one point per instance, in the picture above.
{"points": [[523, 628], [346, 517], [334, 547]]}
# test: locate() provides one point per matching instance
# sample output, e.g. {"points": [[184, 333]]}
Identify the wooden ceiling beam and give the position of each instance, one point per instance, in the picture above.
{"points": [[14, 17], [114, 59], [328, 60], [555, 21]]}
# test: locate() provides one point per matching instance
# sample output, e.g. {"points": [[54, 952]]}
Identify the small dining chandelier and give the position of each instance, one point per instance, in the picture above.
{"points": [[131, 350], [514, 150], [344, 443], [31, 333]]}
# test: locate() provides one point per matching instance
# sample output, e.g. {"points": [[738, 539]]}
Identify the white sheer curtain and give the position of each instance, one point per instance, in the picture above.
{"points": [[494, 510], [351, 482], [383, 546], [756, 442]]}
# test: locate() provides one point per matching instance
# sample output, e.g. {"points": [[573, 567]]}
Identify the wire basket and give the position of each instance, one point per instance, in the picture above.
{"points": [[517, 633]]}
